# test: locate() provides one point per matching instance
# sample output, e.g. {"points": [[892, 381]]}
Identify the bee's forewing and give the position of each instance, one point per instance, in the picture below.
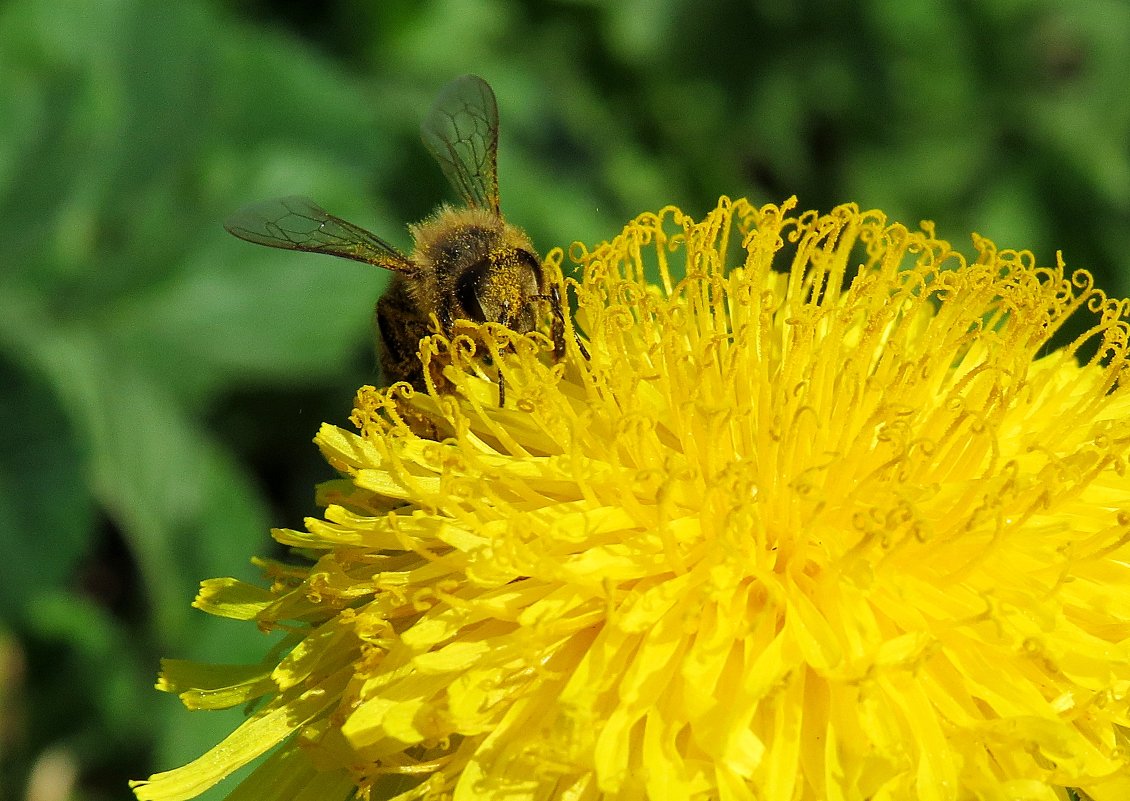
{"points": [[461, 131], [298, 223]]}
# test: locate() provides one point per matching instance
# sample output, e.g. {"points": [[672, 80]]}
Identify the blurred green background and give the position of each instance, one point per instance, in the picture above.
{"points": [[161, 381]]}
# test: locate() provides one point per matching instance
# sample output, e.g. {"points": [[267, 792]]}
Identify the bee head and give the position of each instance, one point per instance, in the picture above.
{"points": [[498, 288]]}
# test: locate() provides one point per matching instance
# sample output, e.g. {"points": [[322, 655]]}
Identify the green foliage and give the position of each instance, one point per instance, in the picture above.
{"points": [[160, 381]]}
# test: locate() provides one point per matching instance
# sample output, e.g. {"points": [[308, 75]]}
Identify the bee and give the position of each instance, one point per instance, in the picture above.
{"points": [[467, 263]]}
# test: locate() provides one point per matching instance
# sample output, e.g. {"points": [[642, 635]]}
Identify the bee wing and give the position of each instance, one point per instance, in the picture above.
{"points": [[298, 223], [461, 131]]}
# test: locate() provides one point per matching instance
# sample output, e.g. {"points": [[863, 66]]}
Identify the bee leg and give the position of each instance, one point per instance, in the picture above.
{"points": [[557, 327], [504, 319]]}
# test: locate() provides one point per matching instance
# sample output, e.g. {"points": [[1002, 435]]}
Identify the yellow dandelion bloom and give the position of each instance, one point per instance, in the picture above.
{"points": [[821, 515]]}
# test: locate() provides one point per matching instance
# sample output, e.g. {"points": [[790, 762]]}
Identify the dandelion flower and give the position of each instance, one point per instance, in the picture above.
{"points": [[820, 515]]}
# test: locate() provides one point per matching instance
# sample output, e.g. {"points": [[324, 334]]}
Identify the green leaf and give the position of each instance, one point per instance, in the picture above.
{"points": [[45, 506]]}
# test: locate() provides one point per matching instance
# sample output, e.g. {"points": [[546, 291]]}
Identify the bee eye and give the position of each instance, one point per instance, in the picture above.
{"points": [[467, 290]]}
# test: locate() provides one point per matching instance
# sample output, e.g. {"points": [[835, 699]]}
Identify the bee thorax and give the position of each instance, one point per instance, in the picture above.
{"points": [[473, 265]]}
